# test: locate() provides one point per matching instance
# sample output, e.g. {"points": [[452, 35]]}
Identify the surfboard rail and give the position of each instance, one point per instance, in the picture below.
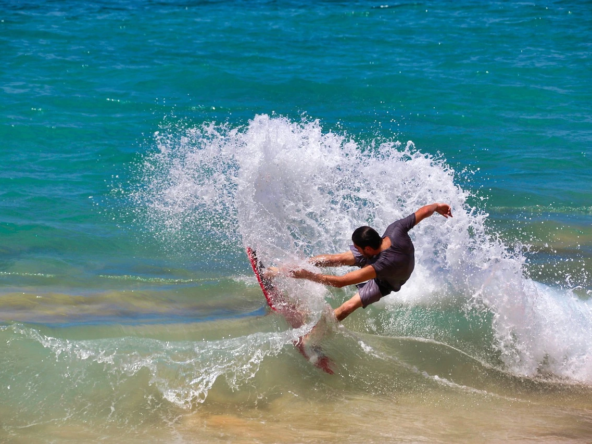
{"points": [[257, 269]]}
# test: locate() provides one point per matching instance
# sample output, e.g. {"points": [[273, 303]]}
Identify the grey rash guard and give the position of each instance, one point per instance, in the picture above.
{"points": [[393, 266]]}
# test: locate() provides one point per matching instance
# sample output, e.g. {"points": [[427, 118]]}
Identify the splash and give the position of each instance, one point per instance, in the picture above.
{"points": [[183, 371], [291, 190]]}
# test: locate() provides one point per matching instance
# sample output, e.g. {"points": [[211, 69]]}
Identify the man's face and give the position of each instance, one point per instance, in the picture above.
{"points": [[367, 252]]}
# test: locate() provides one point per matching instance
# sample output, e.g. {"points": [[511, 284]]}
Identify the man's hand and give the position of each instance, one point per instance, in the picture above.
{"points": [[428, 210], [444, 210], [301, 273]]}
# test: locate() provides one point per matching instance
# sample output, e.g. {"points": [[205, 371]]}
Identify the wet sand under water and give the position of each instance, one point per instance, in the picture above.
{"points": [[434, 417]]}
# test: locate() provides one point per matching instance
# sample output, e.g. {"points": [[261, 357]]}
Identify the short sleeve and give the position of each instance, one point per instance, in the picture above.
{"points": [[359, 260], [409, 222], [384, 265], [400, 226]]}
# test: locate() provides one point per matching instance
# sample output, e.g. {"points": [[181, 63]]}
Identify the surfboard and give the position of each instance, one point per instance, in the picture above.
{"points": [[282, 305]]}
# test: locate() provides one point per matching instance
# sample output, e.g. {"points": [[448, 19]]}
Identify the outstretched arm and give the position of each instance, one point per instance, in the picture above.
{"points": [[351, 278], [333, 260], [323, 260], [428, 210]]}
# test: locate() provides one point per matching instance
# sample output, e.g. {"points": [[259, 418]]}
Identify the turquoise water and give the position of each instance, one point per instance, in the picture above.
{"points": [[144, 144]]}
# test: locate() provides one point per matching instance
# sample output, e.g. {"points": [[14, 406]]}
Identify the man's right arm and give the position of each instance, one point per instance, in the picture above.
{"points": [[333, 260]]}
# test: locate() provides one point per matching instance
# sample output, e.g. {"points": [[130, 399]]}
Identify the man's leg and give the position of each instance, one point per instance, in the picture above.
{"points": [[348, 307], [341, 313]]}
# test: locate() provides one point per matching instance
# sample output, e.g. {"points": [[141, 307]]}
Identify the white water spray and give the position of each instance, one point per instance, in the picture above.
{"points": [[290, 190]]}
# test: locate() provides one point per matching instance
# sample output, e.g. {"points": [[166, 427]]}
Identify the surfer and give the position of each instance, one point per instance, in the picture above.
{"points": [[386, 262]]}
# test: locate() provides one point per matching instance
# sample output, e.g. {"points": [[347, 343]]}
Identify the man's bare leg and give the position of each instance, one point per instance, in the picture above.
{"points": [[348, 307], [340, 313]]}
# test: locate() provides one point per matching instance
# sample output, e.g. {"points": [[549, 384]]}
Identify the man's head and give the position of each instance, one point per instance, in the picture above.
{"points": [[367, 241]]}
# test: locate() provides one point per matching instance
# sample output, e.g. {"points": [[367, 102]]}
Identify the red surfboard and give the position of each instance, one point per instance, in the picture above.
{"points": [[280, 304]]}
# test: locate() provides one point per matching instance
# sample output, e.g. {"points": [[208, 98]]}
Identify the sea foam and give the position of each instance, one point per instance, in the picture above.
{"points": [[290, 190]]}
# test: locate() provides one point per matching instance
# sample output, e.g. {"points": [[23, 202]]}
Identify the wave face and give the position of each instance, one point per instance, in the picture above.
{"points": [[291, 190]]}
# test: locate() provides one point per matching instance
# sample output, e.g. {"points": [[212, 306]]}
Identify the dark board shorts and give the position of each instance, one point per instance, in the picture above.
{"points": [[371, 292]]}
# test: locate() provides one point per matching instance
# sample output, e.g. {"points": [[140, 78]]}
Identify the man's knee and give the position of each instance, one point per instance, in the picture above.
{"points": [[348, 307], [354, 303]]}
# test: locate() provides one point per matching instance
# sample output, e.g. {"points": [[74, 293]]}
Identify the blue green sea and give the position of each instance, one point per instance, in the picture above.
{"points": [[144, 144]]}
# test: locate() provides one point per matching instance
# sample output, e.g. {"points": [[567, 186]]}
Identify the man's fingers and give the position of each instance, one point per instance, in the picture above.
{"points": [[272, 272], [299, 273], [295, 273], [445, 210]]}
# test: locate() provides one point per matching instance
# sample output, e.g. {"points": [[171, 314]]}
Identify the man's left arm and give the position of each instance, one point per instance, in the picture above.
{"points": [[428, 210], [334, 260]]}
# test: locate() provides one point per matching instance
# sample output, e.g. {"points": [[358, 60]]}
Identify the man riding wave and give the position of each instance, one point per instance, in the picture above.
{"points": [[386, 262]]}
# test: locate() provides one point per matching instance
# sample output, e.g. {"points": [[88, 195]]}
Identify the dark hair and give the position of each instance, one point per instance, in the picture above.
{"points": [[366, 237]]}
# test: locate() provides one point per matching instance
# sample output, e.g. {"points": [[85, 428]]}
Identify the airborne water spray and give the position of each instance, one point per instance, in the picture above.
{"points": [[290, 190]]}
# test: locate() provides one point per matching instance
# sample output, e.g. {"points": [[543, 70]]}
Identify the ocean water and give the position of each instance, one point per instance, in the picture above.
{"points": [[144, 144]]}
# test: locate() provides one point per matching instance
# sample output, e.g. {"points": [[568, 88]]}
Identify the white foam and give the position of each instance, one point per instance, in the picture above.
{"points": [[183, 371], [291, 190]]}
